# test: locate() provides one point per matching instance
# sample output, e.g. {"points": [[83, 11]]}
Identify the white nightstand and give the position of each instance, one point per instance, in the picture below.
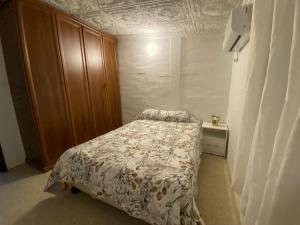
{"points": [[215, 138]]}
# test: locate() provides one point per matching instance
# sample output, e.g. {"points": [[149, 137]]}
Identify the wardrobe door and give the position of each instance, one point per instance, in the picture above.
{"points": [[109, 49], [72, 54], [45, 80], [96, 77]]}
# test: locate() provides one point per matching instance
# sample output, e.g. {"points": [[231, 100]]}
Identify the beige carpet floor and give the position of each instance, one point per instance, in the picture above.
{"points": [[23, 202]]}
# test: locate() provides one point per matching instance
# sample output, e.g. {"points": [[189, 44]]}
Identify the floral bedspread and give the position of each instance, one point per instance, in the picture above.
{"points": [[146, 168]]}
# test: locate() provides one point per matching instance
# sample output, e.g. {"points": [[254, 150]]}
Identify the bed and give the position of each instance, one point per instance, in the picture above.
{"points": [[147, 168]]}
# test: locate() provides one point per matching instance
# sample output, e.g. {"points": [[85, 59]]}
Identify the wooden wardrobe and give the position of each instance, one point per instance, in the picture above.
{"points": [[63, 79]]}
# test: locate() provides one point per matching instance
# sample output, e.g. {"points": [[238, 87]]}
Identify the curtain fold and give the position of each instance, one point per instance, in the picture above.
{"points": [[265, 174], [258, 51]]}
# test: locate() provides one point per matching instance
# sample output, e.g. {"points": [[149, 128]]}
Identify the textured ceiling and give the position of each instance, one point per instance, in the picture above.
{"points": [[148, 16]]}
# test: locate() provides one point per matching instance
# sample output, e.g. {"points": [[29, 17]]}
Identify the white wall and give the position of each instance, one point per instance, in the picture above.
{"points": [[10, 138], [206, 72], [173, 72], [236, 101]]}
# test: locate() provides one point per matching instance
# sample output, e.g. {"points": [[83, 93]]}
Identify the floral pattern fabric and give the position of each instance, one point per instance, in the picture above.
{"points": [[146, 168], [167, 115]]}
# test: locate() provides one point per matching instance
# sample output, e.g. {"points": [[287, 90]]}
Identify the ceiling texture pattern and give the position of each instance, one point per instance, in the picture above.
{"points": [[122, 17]]}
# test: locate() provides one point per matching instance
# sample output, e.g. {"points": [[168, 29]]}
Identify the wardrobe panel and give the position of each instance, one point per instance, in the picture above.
{"points": [[64, 92], [110, 62], [45, 80], [97, 82], [72, 53]]}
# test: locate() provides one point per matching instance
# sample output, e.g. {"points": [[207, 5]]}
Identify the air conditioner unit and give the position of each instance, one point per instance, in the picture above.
{"points": [[237, 32]]}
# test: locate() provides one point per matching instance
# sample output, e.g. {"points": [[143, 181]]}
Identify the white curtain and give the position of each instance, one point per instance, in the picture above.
{"points": [[266, 171]]}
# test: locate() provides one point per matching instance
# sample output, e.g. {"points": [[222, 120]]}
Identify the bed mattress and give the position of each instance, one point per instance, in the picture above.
{"points": [[147, 168]]}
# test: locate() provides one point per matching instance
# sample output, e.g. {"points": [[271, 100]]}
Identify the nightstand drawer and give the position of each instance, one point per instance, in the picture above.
{"points": [[214, 138], [214, 145]]}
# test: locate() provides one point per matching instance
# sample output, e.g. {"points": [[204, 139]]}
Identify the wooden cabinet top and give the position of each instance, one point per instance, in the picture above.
{"points": [[45, 6]]}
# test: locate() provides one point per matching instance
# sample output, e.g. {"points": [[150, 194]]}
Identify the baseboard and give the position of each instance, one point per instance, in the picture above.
{"points": [[38, 166]]}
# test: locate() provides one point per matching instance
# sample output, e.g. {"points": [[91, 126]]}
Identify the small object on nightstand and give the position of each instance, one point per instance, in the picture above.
{"points": [[215, 138], [215, 120]]}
